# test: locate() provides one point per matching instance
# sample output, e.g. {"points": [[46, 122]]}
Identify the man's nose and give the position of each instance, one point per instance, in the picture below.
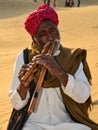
{"points": [[50, 37]]}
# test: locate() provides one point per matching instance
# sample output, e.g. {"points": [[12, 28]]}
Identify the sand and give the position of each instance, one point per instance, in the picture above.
{"points": [[78, 27]]}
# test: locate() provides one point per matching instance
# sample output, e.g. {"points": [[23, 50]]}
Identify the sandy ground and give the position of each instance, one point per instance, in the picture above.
{"points": [[78, 27]]}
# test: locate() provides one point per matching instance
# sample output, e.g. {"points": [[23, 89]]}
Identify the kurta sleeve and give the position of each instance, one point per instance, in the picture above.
{"points": [[15, 98], [78, 87]]}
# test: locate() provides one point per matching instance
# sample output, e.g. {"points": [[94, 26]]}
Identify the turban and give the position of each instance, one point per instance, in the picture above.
{"points": [[35, 18]]}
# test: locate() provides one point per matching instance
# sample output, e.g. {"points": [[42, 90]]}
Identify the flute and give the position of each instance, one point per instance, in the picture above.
{"points": [[29, 72], [39, 83]]}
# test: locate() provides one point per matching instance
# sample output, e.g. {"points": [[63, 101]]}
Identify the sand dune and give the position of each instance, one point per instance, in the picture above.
{"points": [[78, 26], [11, 8]]}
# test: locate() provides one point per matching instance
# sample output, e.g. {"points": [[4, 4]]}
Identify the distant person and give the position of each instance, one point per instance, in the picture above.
{"points": [[66, 3], [69, 3], [35, 0], [78, 5], [45, 1], [54, 3]]}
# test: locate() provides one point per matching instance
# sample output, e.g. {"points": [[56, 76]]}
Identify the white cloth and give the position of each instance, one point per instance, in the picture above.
{"points": [[51, 113]]}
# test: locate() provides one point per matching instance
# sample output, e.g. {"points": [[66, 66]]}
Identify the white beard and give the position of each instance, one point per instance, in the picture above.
{"points": [[57, 47], [56, 43], [56, 50]]}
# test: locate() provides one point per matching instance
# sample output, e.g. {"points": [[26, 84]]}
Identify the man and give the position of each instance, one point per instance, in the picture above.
{"points": [[65, 93], [54, 3], [69, 3], [78, 5], [45, 1]]}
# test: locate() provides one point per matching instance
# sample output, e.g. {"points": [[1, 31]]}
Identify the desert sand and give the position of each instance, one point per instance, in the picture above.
{"points": [[78, 27]]}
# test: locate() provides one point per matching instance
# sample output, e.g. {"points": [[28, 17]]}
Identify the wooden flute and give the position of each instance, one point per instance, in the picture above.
{"points": [[45, 50], [39, 83]]}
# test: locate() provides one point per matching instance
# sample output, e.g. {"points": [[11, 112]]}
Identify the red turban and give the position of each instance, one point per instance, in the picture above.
{"points": [[35, 18]]}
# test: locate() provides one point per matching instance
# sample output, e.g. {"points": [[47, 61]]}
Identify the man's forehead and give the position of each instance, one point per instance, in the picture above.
{"points": [[45, 25]]}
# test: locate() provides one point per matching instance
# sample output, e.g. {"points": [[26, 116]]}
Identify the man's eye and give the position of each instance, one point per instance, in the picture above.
{"points": [[52, 31], [42, 34]]}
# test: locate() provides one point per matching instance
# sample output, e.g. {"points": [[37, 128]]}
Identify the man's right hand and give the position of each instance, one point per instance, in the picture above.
{"points": [[24, 85]]}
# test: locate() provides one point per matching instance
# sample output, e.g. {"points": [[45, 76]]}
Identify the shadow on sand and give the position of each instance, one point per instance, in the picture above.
{"points": [[95, 102]]}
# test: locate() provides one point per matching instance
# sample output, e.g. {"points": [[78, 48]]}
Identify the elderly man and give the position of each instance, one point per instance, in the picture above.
{"points": [[65, 93]]}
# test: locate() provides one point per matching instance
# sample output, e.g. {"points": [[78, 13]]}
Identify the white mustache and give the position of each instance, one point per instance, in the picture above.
{"points": [[56, 41], [57, 45]]}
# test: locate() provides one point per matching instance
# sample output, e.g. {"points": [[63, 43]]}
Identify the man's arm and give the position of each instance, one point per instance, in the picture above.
{"points": [[15, 98], [78, 87]]}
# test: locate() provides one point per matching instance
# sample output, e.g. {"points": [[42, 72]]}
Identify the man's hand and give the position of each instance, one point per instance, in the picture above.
{"points": [[23, 87], [50, 63], [24, 69]]}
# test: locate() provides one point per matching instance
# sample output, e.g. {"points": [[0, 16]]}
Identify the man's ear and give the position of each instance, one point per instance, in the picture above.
{"points": [[37, 44], [35, 40]]}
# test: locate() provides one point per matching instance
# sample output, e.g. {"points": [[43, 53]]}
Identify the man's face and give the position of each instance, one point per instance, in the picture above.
{"points": [[47, 31]]}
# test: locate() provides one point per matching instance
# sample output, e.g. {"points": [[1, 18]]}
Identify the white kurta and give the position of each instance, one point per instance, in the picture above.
{"points": [[51, 113]]}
